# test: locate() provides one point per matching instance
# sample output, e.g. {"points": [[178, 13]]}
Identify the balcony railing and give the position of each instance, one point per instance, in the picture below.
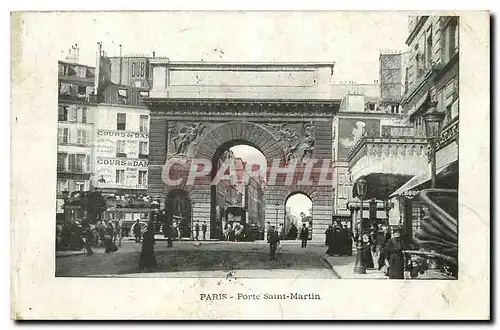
{"points": [[73, 169]]}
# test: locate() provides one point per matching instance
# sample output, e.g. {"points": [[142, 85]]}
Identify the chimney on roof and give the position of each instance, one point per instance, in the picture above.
{"points": [[97, 67], [77, 53]]}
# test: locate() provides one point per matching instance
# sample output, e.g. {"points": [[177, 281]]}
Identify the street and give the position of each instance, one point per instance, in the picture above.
{"points": [[208, 259]]}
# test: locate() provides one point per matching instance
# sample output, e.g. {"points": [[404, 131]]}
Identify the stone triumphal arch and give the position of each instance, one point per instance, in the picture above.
{"points": [[284, 110]]}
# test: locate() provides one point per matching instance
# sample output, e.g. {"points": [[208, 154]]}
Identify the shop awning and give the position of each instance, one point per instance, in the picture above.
{"points": [[413, 183], [423, 178]]}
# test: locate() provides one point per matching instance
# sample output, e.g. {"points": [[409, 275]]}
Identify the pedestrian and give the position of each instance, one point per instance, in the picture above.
{"points": [[87, 235], [109, 232], [337, 241], [197, 230], [168, 231], [367, 252], [204, 229], [394, 250], [137, 231], [304, 235], [329, 240], [273, 239], [348, 240], [384, 256], [148, 259], [292, 233], [268, 227]]}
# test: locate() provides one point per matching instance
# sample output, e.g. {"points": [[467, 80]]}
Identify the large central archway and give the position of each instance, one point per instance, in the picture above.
{"points": [[243, 197], [188, 140]]}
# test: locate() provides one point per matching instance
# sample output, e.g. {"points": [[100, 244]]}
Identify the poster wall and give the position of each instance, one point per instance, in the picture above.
{"points": [[117, 160]]}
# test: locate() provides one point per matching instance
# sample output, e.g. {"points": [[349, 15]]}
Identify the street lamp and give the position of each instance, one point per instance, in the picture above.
{"points": [[359, 268], [191, 224], [277, 204], [433, 121]]}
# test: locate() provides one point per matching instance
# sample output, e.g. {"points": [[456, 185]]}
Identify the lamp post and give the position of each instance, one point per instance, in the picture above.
{"points": [[191, 223], [433, 121], [277, 204], [359, 268]]}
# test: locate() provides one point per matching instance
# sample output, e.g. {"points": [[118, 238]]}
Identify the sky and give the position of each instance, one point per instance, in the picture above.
{"points": [[350, 39]]}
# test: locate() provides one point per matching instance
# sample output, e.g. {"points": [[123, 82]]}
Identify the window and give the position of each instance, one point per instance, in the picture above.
{"points": [[122, 96], [450, 40], [80, 185], [62, 69], [62, 185], [371, 106], [78, 163], [82, 91], [63, 135], [428, 49], [63, 113], [121, 121], [62, 161], [417, 215], [120, 148], [120, 176], [144, 124], [448, 115], [143, 149], [81, 114], [82, 71], [81, 136], [73, 113], [143, 177]]}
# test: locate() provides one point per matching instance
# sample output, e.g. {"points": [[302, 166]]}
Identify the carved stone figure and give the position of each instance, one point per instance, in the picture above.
{"points": [[309, 141], [185, 137], [289, 152]]}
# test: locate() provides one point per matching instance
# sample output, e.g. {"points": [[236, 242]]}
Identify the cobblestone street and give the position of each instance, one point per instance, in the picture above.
{"points": [[206, 260]]}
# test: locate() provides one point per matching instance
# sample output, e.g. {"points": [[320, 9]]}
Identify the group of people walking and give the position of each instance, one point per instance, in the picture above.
{"points": [[380, 249], [339, 239], [80, 234], [234, 231]]}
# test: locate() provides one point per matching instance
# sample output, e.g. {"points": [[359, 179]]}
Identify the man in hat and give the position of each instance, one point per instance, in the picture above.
{"points": [[273, 239], [137, 231], [304, 235]]}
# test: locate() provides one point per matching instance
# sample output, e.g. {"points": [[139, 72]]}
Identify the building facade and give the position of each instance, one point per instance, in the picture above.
{"points": [[395, 161], [432, 81], [75, 126]]}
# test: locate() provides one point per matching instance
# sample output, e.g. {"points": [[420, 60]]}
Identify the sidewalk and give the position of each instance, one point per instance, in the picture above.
{"points": [[343, 267]]}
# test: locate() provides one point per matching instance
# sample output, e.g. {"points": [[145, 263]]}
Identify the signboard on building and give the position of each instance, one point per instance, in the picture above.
{"points": [[118, 162], [121, 173]]}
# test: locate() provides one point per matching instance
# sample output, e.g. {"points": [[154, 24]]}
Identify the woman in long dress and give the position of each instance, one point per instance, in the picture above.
{"points": [[367, 252], [394, 250], [148, 259]]}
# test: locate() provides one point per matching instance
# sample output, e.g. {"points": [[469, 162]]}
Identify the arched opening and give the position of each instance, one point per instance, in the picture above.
{"points": [[298, 212], [179, 213], [237, 207]]}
